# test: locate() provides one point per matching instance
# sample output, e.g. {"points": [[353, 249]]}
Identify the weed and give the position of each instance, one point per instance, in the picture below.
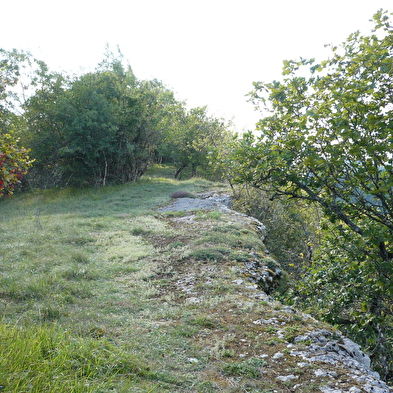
{"points": [[210, 254], [271, 342], [186, 330], [206, 387], [291, 332], [50, 313], [213, 215], [240, 256], [139, 231], [176, 244], [75, 273], [271, 330], [227, 353], [80, 257], [204, 322], [248, 368]]}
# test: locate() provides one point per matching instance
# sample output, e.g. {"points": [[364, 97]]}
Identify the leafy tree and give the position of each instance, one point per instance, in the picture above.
{"points": [[327, 139], [190, 136], [100, 127], [154, 114], [14, 163], [14, 159]]}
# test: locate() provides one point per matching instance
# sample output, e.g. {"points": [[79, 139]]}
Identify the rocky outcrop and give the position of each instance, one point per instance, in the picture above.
{"points": [[302, 354]]}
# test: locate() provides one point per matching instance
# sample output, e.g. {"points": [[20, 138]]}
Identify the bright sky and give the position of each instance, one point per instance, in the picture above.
{"points": [[208, 51]]}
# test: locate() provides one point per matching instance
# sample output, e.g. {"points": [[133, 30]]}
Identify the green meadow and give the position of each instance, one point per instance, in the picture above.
{"points": [[100, 292]]}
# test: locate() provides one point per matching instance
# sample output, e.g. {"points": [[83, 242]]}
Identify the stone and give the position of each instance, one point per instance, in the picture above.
{"points": [[194, 300], [327, 389], [323, 373], [354, 351], [287, 378]]}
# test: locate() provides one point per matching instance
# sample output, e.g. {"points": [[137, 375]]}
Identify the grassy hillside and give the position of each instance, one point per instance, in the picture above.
{"points": [[75, 277], [99, 292]]}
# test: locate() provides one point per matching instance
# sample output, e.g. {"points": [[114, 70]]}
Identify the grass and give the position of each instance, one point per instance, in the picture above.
{"points": [[99, 292], [250, 367], [48, 359], [76, 258]]}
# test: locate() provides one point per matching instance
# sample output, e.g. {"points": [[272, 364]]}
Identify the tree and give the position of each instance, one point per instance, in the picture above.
{"points": [[190, 136], [101, 127], [327, 138], [14, 163], [14, 159]]}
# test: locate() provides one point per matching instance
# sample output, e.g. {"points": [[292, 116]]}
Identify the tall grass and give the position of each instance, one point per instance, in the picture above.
{"points": [[48, 359]]}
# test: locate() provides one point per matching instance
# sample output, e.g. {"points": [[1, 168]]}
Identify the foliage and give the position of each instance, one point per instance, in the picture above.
{"points": [[291, 228], [327, 139], [101, 127], [14, 163], [14, 69], [14, 159], [344, 287], [108, 126], [190, 137]]}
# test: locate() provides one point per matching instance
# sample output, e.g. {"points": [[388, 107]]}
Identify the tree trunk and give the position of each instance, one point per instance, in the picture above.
{"points": [[177, 173], [193, 170]]}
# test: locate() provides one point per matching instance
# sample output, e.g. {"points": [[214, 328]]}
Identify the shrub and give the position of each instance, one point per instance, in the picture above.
{"points": [[182, 194], [292, 229], [14, 162]]}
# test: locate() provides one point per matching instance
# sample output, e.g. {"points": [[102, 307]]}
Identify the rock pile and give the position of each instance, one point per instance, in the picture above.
{"points": [[334, 349]]}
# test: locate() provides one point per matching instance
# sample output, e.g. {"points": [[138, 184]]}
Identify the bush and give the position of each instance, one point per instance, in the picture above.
{"points": [[14, 163], [182, 194], [292, 229]]}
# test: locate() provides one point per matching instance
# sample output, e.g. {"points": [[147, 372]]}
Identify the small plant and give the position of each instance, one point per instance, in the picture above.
{"points": [[214, 215], [176, 244], [210, 254], [291, 332], [204, 322], [271, 342], [80, 257], [240, 256], [271, 329], [50, 313], [139, 231], [248, 368], [227, 353]]}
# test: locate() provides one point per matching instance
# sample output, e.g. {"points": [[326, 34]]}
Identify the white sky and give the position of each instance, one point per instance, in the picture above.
{"points": [[208, 51]]}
